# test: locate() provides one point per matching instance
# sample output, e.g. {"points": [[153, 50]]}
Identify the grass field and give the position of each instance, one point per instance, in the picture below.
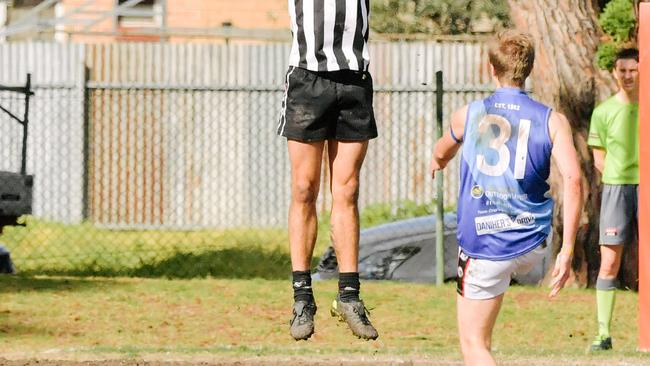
{"points": [[245, 322], [226, 301]]}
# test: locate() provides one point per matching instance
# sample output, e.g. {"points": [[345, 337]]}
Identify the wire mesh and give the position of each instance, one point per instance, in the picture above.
{"points": [[162, 160]]}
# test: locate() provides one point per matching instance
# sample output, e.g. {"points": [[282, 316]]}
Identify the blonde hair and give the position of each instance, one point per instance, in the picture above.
{"points": [[512, 54]]}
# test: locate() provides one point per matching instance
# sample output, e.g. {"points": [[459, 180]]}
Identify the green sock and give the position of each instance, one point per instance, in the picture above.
{"points": [[605, 296]]}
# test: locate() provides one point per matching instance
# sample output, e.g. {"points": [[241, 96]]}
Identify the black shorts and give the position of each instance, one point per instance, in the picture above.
{"points": [[327, 105]]}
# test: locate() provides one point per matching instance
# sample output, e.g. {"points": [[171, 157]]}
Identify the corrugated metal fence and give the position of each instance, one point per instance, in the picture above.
{"points": [[183, 135]]}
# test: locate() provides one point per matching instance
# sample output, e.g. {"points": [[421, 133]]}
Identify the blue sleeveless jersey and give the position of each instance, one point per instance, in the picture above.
{"points": [[504, 203]]}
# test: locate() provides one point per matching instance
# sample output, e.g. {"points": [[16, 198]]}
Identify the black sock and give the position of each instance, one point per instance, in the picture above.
{"points": [[302, 286], [349, 286]]}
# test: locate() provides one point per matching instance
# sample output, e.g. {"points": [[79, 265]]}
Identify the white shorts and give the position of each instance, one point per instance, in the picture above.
{"points": [[480, 279]]}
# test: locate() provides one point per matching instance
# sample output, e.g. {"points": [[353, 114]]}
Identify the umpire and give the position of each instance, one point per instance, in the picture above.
{"points": [[614, 137], [327, 101]]}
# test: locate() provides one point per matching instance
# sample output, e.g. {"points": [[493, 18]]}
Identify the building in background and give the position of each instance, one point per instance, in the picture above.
{"points": [[143, 20]]}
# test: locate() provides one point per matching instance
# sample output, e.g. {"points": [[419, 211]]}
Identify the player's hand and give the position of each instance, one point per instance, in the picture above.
{"points": [[435, 166], [560, 274]]}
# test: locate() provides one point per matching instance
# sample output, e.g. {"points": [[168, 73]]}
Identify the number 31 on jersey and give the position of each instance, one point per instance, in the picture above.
{"points": [[498, 143]]}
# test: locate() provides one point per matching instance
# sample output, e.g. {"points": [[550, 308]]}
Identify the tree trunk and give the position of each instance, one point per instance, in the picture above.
{"points": [[565, 77]]}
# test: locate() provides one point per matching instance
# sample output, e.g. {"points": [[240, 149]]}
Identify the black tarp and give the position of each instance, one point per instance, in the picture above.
{"points": [[6, 265], [406, 250]]}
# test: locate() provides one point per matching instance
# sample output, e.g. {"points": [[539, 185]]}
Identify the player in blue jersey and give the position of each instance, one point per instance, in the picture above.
{"points": [[505, 208]]}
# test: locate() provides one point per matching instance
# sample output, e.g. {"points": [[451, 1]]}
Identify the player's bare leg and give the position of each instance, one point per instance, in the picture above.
{"points": [[346, 159], [476, 320], [303, 224]]}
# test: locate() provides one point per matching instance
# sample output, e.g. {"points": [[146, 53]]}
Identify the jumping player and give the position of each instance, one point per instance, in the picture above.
{"points": [[505, 209], [327, 101]]}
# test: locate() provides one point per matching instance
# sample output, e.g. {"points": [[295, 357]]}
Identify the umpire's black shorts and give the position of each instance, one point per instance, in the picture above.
{"points": [[335, 105]]}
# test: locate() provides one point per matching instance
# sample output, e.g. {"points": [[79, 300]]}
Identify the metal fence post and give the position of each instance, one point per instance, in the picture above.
{"points": [[85, 109], [25, 123], [440, 227]]}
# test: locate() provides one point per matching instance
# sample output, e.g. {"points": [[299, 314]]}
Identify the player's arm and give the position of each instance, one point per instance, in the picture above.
{"points": [[447, 146], [599, 158], [566, 159], [595, 139]]}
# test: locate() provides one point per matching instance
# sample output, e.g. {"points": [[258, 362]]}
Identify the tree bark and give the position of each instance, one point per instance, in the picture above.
{"points": [[565, 77]]}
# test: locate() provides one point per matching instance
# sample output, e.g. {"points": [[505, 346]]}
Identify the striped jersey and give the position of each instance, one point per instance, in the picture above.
{"points": [[329, 35], [504, 204]]}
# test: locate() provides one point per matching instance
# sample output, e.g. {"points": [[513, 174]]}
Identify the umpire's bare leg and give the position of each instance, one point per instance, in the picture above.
{"points": [[345, 159], [306, 158]]}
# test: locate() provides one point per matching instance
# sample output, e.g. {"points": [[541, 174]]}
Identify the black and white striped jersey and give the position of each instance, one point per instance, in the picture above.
{"points": [[329, 35]]}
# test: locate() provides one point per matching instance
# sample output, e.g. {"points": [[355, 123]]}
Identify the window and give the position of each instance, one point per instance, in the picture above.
{"points": [[144, 14], [26, 3], [23, 11]]}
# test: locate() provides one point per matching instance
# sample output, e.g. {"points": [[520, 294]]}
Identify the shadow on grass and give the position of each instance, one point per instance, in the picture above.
{"points": [[22, 283], [12, 324], [249, 262], [244, 262], [9, 328]]}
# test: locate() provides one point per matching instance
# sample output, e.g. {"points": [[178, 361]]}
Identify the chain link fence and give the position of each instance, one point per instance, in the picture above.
{"points": [[162, 159]]}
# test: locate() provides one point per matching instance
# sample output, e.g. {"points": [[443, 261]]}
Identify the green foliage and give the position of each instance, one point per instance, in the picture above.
{"points": [[435, 16], [382, 213], [618, 22], [605, 55]]}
